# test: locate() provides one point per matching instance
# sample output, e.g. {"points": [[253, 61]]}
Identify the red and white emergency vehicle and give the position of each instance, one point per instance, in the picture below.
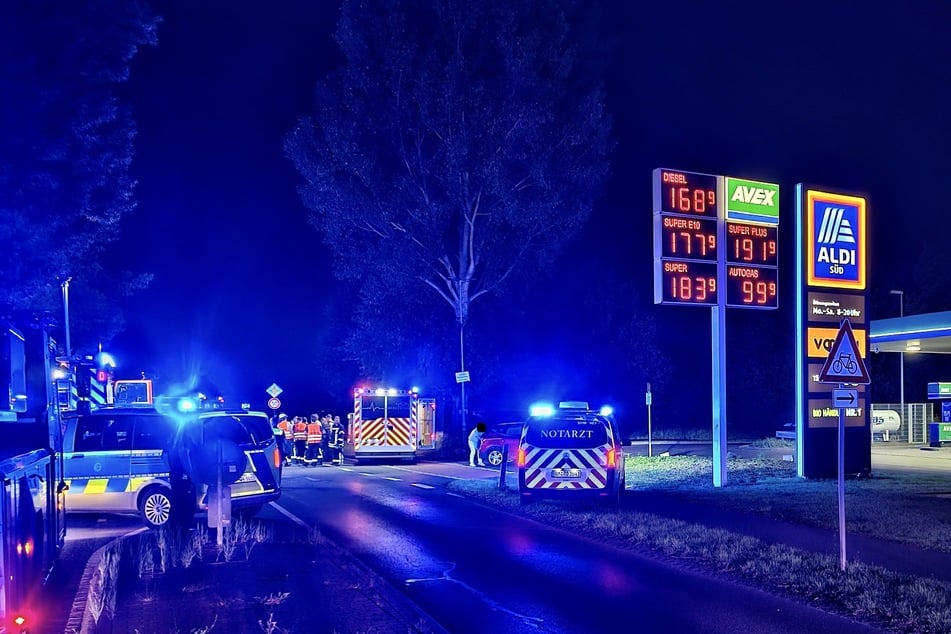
{"points": [[389, 423]]}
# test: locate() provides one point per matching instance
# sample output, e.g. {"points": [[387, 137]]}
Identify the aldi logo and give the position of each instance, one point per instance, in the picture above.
{"points": [[835, 240]]}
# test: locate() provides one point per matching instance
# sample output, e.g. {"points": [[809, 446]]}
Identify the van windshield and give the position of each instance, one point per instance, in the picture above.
{"points": [[560, 433]]}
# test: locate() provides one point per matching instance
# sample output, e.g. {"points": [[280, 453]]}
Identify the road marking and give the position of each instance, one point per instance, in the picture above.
{"points": [[392, 479], [456, 495], [345, 469], [283, 511], [531, 620], [367, 474], [422, 486], [429, 473]]}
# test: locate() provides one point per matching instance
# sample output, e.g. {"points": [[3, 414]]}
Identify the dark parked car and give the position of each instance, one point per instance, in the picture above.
{"points": [[497, 438]]}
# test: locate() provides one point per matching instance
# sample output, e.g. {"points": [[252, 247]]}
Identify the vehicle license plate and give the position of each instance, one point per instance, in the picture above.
{"points": [[566, 473], [245, 477]]}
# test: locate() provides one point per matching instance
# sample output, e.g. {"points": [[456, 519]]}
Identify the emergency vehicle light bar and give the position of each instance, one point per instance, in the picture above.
{"points": [[384, 391]]}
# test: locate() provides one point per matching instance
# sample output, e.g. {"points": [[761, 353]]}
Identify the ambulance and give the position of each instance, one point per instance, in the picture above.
{"points": [[389, 423], [570, 451]]}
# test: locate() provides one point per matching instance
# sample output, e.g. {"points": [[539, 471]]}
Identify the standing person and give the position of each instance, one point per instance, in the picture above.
{"points": [[337, 441], [314, 436], [287, 444], [300, 439], [325, 440], [475, 439]]}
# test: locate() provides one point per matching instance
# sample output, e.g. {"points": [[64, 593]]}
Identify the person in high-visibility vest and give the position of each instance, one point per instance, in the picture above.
{"points": [[300, 439], [287, 447], [314, 435]]}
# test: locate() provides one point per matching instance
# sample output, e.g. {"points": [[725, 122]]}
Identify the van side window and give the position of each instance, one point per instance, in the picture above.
{"points": [[151, 433], [117, 434], [88, 434]]}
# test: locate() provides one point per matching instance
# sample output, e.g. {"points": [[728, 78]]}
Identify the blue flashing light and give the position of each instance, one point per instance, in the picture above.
{"points": [[187, 405], [542, 409], [391, 392], [379, 391], [105, 360], [607, 410], [414, 390]]}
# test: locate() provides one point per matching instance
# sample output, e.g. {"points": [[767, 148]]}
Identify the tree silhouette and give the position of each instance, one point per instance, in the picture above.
{"points": [[65, 147], [457, 145]]}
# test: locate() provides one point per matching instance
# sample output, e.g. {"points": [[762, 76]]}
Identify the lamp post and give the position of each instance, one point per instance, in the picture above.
{"points": [[901, 375], [65, 286]]}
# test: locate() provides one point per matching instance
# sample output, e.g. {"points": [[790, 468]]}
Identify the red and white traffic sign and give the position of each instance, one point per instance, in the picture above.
{"points": [[274, 403], [844, 364]]}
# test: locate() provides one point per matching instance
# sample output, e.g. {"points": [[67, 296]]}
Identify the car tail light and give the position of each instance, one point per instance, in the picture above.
{"points": [[521, 458]]}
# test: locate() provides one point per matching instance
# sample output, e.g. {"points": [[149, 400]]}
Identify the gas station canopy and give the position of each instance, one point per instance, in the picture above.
{"points": [[928, 333]]}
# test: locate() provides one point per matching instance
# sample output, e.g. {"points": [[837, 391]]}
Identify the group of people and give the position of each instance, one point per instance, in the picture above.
{"points": [[308, 443]]}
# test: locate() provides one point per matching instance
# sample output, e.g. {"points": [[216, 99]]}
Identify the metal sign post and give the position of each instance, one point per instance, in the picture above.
{"points": [[648, 399], [843, 365]]}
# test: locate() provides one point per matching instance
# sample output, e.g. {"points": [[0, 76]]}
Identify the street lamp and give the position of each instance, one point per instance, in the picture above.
{"points": [[901, 375]]}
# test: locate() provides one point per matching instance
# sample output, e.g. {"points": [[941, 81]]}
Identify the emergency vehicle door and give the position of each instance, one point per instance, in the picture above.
{"points": [[98, 466], [426, 421], [397, 422]]}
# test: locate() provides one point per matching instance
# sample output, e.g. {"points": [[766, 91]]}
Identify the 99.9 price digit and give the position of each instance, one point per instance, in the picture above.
{"points": [[758, 293]]}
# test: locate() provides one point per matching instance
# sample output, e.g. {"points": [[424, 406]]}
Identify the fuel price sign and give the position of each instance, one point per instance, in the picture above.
{"points": [[688, 193]]}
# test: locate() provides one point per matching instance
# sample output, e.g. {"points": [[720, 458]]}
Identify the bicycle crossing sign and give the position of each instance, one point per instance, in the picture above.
{"points": [[844, 364]]}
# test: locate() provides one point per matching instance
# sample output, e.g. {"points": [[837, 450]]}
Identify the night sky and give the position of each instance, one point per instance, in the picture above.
{"points": [[847, 96]]}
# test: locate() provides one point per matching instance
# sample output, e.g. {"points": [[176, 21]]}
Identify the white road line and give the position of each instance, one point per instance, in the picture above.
{"points": [[435, 475], [422, 486], [283, 511], [345, 468], [392, 479], [367, 474], [456, 495]]}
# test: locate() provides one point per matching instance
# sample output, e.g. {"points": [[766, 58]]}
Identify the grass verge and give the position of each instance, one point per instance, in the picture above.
{"points": [[899, 602]]}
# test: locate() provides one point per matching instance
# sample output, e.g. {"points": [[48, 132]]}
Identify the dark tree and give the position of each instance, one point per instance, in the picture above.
{"points": [[65, 149], [458, 144]]}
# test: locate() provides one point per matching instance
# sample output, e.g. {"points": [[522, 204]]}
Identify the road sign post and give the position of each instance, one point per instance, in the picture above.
{"points": [[843, 365]]}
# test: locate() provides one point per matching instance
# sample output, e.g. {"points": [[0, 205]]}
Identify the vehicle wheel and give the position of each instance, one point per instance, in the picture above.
{"points": [[494, 456], [155, 504]]}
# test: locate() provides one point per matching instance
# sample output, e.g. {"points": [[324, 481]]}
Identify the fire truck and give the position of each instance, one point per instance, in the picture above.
{"points": [[32, 497], [387, 423]]}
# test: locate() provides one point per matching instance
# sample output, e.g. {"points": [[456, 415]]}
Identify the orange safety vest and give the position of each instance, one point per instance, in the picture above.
{"points": [[300, 431], [313, 433], [285, 426]]}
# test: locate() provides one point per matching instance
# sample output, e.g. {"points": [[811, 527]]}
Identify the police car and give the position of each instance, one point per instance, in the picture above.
{"points": [[570, 451], [134, 460]]}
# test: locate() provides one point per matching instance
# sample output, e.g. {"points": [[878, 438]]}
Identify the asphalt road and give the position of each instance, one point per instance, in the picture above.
{"points": [[475, 569]]}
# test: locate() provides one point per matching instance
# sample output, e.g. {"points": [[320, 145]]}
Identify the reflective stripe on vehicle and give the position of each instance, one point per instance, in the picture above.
{"points": [[95, 486], [592, 474]]}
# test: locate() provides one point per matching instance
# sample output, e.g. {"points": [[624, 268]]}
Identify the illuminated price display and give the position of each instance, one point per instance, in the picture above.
{"points": [[686, 193], [752, 286], [685, 238], [677, 282], [752, 244]]}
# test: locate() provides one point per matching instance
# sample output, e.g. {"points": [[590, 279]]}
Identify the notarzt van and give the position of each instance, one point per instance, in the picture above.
{"points": [[570, 451]]}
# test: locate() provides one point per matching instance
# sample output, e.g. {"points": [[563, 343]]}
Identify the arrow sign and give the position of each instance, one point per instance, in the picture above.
{"points": [[845, 398], [845, 364]]}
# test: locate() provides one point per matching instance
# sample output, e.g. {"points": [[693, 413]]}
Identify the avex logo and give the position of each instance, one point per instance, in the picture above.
{"points": [[752, 201], [837, 240]]}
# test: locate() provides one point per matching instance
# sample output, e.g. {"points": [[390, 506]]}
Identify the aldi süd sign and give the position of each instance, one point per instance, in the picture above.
{"points": [[836, 243]]}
